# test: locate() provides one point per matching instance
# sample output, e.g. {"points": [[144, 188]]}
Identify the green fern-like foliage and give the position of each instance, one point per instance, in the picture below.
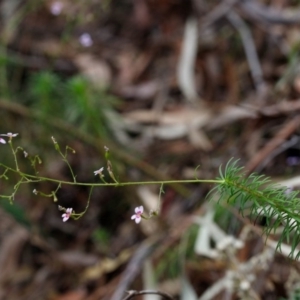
{"points": [[256, 195]]}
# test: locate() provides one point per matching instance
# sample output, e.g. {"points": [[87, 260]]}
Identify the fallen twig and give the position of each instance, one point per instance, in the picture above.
{"points": [[265, 14], [132, 294], [250, 50], [274, 143]]}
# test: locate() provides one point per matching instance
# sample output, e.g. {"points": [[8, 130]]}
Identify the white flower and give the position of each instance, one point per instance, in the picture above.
{"points": [[138, 214], [86, 40], [99, 172], [67, 214], [35, 191], [245, 285], [10, 135], [25, 154], [2, 141]]}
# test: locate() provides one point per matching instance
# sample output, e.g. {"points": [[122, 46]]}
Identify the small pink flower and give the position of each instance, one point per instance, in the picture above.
{"points": [[56, 8], [86, 40], [67, 214], [138, 214], [2, 141], [99, 172]]}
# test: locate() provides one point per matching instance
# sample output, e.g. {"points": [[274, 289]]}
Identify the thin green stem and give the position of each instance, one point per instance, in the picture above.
{"points": [[113, 184], [70, 168], [78, 216], [14, 154]]}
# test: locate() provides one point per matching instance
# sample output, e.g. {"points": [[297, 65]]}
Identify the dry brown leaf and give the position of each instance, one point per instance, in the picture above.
{"points": [[52, 48], [185, 122], [106, 265], [141, 91], [12, 246], [76, 258], [73, 295]]}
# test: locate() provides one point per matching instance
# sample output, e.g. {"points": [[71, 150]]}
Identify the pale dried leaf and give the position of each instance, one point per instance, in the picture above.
{"points": [[149, 281], [292, 182], [148, 197], [231, 114], [182, 115], [199, 139], [96, 70], [187, 291], [186, 64]]}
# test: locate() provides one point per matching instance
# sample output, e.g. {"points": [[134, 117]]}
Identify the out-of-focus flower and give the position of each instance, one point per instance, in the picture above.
{"points": [[67, 214], [2, 141], [10, 135], [245, 285], [25, 154], [56, 8], [99, 172], [86, 40], [35, 191], [293, 160], [138, 214]]}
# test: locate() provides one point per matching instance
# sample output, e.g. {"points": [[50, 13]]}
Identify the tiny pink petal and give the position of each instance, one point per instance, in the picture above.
{"points": [[65, 217], [139, 210], [138, 219], [2, 141]]}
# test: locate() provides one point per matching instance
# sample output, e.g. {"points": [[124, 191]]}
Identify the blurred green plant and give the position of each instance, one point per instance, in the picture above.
{"points": [[169, 265], [74, 100], [101, 237]]}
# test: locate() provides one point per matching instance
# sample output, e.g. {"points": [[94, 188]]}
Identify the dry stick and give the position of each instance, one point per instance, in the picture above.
{"points": [[283, 147], [132, 294], [88, 139], [134, 266], [217, 13], [250, 50], [262, 13], [280, 138], [284, 107]]}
